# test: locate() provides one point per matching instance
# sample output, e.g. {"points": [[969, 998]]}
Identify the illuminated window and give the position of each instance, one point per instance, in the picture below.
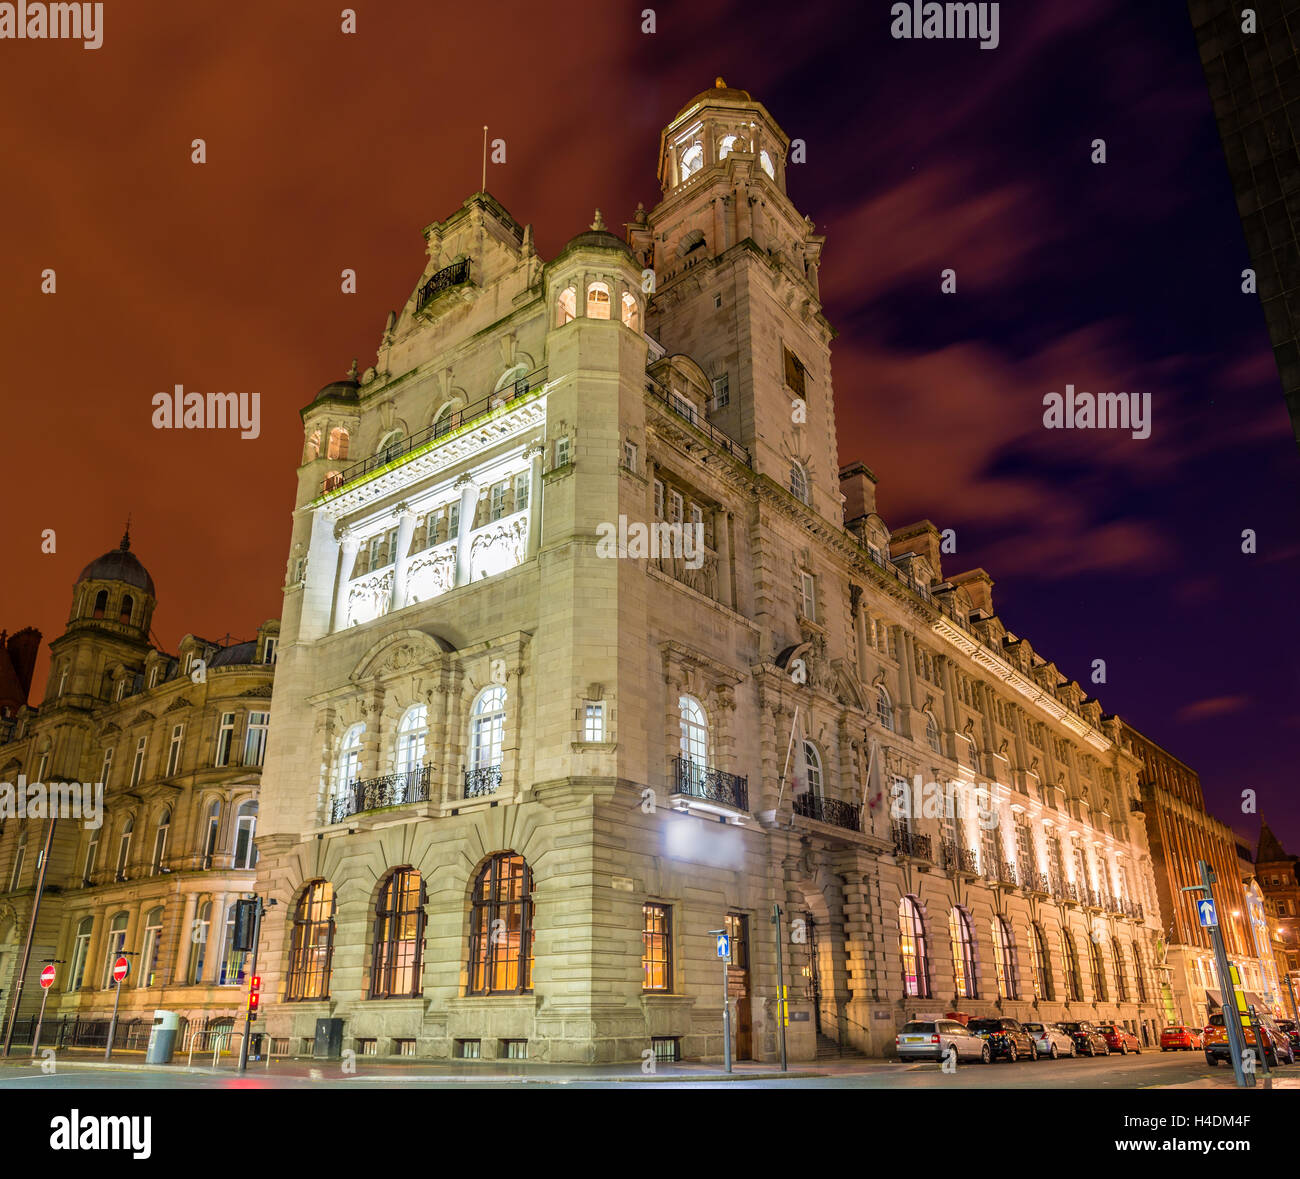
{"points": [[225, 739], [598, 301], [259, 724], [399, 937], [932, 732], [245, 830], [1098, 978], [814, 761], [199, 941], [799, 482], [884, 709], [631, 313], [727, 146], [566, 306], [963, 954], [312, 950], [411, 732], [487, 728], [1070, 962], [1038, 960], [657, 947], [912, 949], [765, 162], [232, 960], [1121, 983], [1004, 960], [338, 444], [694, 731], [151, 947], [593, 721], [160, 842], [692, 160], [113, 948], [348, 768], [501, 927], [80, 953], [174, 750]]}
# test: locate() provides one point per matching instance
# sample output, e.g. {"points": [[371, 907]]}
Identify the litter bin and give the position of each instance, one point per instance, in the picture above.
{"points": [[162, 1037]]}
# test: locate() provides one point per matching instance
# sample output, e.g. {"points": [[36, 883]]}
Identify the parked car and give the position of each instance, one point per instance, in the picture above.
{"points": [[1178, 1036], [1049, 1040], [925, 1039], [1120, 1039], [1005, 1037], [1087, 1039], [1292, 1030], [1276, 1043]]}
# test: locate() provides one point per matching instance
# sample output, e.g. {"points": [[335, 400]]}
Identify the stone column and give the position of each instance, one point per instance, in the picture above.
{"points": [[468, 504], [949, 693], [184, 940], [534, 456], [405, 528], [216, 935], [349, 542], [722, 546]]}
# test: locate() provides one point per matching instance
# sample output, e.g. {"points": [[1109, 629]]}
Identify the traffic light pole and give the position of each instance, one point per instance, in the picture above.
{"points": [[780, 984], [252, 981], [1231, 1017]]}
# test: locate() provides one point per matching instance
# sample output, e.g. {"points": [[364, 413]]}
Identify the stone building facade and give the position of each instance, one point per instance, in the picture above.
{"points": [[591, 649], [1278, 876], [177, 742]]}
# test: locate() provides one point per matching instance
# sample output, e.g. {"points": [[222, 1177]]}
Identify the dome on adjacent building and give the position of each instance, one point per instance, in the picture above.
{"points": [[720, 92], [121, 564]]}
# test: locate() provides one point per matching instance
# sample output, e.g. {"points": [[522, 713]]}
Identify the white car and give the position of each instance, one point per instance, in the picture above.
{"points": [[1049, 1040], [937, 1039]]}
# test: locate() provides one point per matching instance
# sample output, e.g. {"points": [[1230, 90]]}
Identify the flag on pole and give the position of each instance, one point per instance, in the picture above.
{"points": [[799, 767]]}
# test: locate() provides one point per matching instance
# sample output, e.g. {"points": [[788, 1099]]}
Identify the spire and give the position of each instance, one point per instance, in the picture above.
{"points": [[1269, 850], [125, 546]]}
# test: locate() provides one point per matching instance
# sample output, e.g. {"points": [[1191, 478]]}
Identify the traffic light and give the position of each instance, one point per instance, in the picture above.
{"points": [[254, 993], [245, 924]]}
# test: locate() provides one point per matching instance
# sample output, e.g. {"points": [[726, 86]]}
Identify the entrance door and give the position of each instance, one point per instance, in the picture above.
{"points": [[738, 988], [814, 972]]}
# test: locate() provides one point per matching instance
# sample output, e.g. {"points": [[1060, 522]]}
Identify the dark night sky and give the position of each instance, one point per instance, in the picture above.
{"points": [[327, 151]]}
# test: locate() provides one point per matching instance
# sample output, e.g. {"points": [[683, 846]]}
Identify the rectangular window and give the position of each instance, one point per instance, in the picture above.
{"points": [[794, 372], [697, 515], [268, 655], [92, 854], [453, 520], [593, 721], [498, 501], [721, 392], [522, 486], [808, 596], [561, 452], [174, 751], [659, 500], [137, 766], [657, 947], [674, 507], [255, 738], [629, 456], [432, 524], [225, 739]]}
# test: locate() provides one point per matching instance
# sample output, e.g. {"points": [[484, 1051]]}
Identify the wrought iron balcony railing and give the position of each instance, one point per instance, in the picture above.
{"points": [[908, 843], [684, 409], [444, 280], [699, 781], [482, 781], [1007, 873], [371, 794], [958, 858], [829, 810]]}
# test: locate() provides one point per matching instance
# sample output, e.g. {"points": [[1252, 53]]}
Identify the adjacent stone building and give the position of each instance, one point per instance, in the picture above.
{"points": [[591, 650], [177, 740]]}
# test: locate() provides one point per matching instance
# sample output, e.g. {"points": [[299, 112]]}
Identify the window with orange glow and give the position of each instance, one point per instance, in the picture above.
{"points": [[501, 928], [657, 943]]}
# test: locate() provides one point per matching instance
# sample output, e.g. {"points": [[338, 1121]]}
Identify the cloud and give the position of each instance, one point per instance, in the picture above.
{"points": [[1212, 706]]}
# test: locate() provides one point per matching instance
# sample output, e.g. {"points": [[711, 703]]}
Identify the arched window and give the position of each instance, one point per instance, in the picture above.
{"points": [[128, 608], [313, 943], [884, 708], [631, 312], [1098, 978], [161, 833], [501, 927], [963, 954], [727, 146], [1004, 960], [399, 937], [113, 947], [390, 441], [814, 760], [151, 947], [338, 446], [765, 162], [566, 306], [487, 728], [20, 854], [80, 952], [199, 942], [912, 949], [1039, 960], [1070, 961], [101, 604], [799, 482], [932, 733], [442, 420], [1121, 983], [245, 832], [232, 960], [411, 732], [694, 732], [124, 847], [313, 446], [598, 301], [210, 837], [692, 160], [1138, 975], [348, 767]]}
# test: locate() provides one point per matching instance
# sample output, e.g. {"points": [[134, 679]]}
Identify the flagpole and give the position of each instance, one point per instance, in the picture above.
{"points": [[786, 768]]}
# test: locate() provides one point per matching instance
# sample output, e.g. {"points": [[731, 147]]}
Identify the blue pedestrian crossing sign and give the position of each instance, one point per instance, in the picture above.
{"points": [[724, 946], [1206, 909]]}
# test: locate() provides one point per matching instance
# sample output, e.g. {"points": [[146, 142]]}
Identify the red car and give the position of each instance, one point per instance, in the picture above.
{"points": [[1119, 1039], [1178, 1036]]}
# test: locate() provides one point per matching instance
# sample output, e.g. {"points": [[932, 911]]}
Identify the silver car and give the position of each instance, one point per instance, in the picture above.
{"points": [[1049, 1040], [939, 1040]]}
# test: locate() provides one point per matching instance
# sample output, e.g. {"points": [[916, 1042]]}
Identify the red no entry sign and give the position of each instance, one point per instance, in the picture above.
{"points": [[121, 968], [47, 977]]}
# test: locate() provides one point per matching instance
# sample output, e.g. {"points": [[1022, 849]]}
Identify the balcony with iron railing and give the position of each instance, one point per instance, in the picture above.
{"points": [[694, 780], [829, 810], [443, 281], [685, 410], [908, 843], [959, 859], [482, 781], [372, 794], [443, 427]]}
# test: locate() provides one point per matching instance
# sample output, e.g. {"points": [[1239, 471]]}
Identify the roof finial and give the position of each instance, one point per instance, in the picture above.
{"points": [[125, 546], [599, 224], [352, 372], [718, 83]]}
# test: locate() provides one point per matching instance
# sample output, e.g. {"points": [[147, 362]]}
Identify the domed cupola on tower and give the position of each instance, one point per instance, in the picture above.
{"points": [[115, 591]]}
